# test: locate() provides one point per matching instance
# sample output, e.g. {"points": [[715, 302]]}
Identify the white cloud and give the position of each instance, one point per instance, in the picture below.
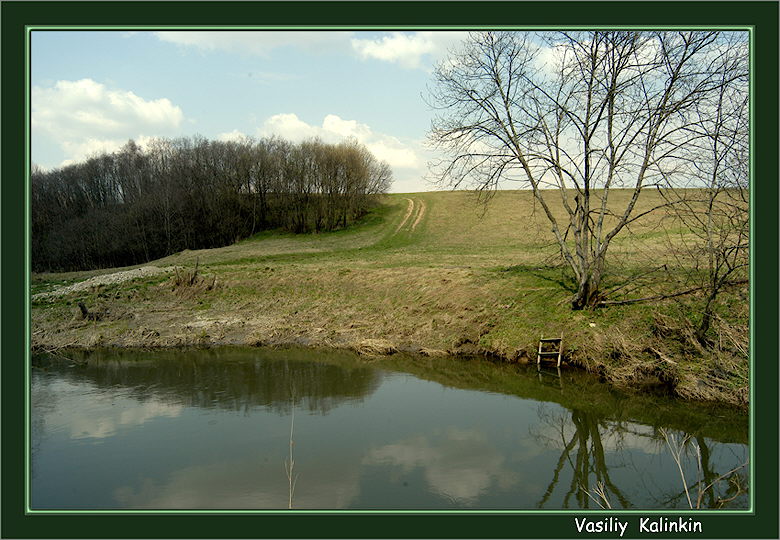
{"points": [[84, 117], [409, 50], [346, 128], [86, 104], [289, 126], [259, 43], [396, 155], [234, 135], [82, 149], [335, 129]]}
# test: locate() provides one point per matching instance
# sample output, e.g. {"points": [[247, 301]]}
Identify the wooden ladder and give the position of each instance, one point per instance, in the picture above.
{"points": [[550, 353]]}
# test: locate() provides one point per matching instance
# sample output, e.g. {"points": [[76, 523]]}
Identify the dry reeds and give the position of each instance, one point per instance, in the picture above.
{"points": [[189, 283], [599, 495], [374, 347], [676, 448]]}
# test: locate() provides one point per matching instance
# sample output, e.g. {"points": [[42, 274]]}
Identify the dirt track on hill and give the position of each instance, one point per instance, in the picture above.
{"points": [[420, 214], [416, 209]]}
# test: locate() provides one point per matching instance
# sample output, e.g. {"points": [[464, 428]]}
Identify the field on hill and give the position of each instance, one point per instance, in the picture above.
{"points": [[436, 273]]}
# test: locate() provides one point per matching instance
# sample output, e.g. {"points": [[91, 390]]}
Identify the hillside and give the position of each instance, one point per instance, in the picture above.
{"points": [[433, 272]]}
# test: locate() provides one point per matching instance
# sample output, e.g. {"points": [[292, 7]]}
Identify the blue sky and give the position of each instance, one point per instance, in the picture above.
{"points": [[92, 91]]}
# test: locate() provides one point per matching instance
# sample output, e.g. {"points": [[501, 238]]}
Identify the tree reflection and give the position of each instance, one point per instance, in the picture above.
{"points": [[704, 480], [584, 453], [237, 380]]}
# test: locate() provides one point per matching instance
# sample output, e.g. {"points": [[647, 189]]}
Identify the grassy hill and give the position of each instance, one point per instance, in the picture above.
{"points": [[429, 272]]}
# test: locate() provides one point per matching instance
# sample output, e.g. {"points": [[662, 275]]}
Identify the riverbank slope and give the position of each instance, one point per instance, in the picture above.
{"points": [[437, 273]]}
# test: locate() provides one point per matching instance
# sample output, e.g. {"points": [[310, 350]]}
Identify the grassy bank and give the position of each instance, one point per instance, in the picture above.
{"points": [[430, 272]]}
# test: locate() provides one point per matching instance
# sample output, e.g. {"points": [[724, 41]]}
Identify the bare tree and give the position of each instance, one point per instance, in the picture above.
{"points": [[715, 252], [572, 116]]}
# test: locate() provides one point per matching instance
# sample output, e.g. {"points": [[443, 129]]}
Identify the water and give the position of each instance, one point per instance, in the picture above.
{"points": [[212, 429]]}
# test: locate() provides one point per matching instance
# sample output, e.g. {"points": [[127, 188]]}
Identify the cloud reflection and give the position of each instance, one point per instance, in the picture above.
{"points": [[459, 464], [106, 414], [249, 483]]}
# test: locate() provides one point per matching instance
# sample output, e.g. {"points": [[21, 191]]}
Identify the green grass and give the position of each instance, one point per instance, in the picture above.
{"points": [[461, 276], [42, 284]]}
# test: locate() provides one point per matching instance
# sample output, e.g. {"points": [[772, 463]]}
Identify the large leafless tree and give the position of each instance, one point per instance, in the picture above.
{"points": [[573, 115]]}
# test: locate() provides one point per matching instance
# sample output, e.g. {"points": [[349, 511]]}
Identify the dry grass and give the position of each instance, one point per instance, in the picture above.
{"points": [[189, 283], [374, 347]]}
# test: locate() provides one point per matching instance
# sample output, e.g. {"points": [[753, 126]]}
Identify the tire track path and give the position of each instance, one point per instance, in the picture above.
{"points": [[409, 210], [420, 214], [415, 210]]}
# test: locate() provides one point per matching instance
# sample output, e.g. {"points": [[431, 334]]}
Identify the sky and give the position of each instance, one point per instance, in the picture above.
{"points": [[91, 91]]}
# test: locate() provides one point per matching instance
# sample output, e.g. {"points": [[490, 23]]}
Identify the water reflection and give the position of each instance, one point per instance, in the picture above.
{"points": [[214, 378], [591, 447], [255, 428], [250, 483], [461, 465], [583, 452], [704, 483]]}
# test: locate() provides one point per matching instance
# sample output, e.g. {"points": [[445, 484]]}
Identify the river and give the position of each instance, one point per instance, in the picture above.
{"points": [[263, 428]]}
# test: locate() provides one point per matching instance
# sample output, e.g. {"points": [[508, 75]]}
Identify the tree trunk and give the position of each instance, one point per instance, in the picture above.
{"points": [[706, 319], [585, 294]]}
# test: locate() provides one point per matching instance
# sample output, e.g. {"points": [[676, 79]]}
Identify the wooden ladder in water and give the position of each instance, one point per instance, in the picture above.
{"points": [[550, 353]]}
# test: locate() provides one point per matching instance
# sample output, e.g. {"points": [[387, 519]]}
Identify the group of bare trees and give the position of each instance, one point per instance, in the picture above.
{"points": [[137, 204], [574, 115]]}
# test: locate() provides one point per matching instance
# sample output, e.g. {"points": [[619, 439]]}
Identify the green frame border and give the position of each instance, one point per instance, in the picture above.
{"points": [[19, 18], [32, 28]]}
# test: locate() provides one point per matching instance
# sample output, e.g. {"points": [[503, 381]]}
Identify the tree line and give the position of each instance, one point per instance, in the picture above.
{"points": [[136, 205]]}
